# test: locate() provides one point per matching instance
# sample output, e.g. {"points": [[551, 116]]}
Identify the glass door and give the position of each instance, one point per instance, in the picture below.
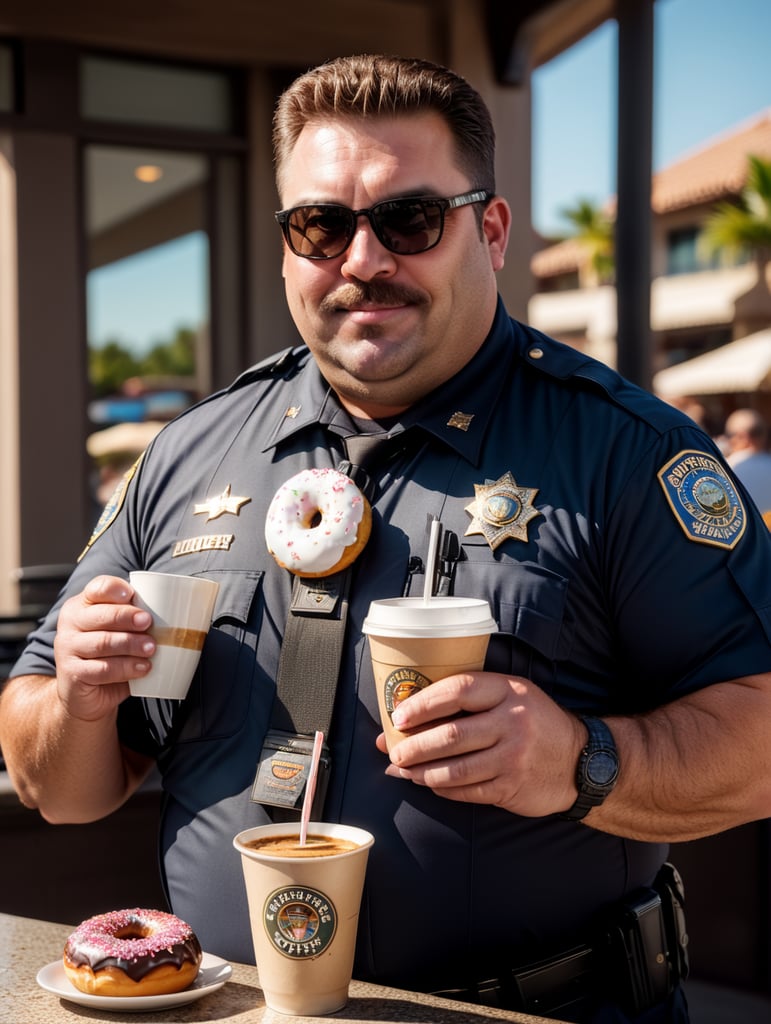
{"points": [[147, 297]]}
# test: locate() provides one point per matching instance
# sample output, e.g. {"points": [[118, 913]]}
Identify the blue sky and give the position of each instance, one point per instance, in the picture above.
{"points": [[712, 70]]}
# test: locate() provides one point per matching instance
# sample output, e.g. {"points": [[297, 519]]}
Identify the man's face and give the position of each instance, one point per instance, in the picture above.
{"points": [[387, 329]]}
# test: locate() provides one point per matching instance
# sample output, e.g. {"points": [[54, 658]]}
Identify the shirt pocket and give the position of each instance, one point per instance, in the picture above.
{"points": [[529, 603], [218, 703]]}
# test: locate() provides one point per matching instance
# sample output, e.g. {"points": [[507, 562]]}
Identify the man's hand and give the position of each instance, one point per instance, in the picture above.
{"points": [[490, 739], [101, 643]]}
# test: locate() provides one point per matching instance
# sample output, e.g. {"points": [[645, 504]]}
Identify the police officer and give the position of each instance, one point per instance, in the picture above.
{"points": [[626, 699]]}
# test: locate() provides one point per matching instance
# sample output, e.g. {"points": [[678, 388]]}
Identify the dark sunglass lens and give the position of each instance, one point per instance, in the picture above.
{"points": [[409, 226], [320, 232]]}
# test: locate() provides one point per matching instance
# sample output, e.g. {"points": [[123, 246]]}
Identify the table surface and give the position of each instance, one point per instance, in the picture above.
{"points": [[26, 945]]}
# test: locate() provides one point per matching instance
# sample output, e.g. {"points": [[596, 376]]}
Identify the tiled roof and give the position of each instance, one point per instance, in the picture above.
{"points": [[561, 258], [713, 171]]}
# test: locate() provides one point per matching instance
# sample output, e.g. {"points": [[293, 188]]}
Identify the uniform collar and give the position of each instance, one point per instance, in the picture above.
{"points": [[456, 413]]}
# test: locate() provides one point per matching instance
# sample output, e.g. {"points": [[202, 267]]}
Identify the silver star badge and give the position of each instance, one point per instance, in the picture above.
{"points": [[224, 503], [501, 509]]}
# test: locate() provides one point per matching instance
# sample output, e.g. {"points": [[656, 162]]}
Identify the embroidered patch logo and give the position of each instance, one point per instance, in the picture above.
{"points": [[501, 509], [113, 506], [400, 685], [300, 922], [703, 499]]}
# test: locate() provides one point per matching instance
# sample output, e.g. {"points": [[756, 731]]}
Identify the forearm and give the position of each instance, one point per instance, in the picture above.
{"points": [[694, 767], [70, 770]]}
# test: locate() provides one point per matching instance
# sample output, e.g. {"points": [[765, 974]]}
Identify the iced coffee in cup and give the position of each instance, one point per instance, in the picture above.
{"points": [[304, 911], [414, 642], [182, 608]]}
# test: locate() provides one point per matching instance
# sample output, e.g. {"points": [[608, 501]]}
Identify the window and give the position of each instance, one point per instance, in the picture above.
{"points": [[138, 92], [147, 283], [684, 255]]}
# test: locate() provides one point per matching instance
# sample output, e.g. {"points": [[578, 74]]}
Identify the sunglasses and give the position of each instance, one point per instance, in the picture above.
{"points": [[404, 226]]}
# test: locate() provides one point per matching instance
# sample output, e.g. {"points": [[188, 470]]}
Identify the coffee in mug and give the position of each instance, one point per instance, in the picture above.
{"points": [[182, 608]]}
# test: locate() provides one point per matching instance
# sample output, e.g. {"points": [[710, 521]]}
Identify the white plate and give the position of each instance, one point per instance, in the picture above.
{"points": [[212, 975]]}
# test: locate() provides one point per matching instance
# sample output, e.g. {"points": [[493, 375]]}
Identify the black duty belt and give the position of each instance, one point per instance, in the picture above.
{"points": [[557, 984], [637, 959]]}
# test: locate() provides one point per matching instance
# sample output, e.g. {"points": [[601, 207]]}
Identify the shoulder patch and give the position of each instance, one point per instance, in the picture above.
{"points": [[113, 506], [703, 499]]}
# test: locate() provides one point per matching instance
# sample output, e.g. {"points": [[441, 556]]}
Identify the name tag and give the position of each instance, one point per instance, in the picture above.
{"points": [[283, 770]]}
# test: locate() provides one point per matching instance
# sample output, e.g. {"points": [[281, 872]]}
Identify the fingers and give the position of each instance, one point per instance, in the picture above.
{"points": [[489, 738], [101, 642], [105, 603], [470, 750], [100, 621], [468, 692], [467, 758]]}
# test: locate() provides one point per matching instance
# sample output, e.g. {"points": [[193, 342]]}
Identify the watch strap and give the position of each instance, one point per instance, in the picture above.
{"points": [[600, 750]]}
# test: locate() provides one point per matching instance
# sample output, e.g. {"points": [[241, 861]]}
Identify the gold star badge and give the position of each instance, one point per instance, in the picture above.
{"points": [[501, 509], [219, 506]]}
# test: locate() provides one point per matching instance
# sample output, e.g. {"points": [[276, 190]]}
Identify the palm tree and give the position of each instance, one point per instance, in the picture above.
{"points": [[740, 228], [593, 229], [734, 228]]}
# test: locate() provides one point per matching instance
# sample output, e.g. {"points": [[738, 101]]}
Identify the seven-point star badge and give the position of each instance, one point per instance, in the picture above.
{"points": [[223, 503], [501, 509]]}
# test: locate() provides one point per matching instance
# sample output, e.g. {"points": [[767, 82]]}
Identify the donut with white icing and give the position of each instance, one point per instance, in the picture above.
{"points": [[132, 953], [317, 523]]}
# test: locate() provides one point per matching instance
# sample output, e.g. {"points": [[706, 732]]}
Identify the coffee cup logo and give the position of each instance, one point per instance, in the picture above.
{"points": [[300, 922], [401, 684]]}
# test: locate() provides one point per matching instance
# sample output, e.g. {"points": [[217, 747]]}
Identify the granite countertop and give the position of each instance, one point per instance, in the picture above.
{"points": [[26, 945]]}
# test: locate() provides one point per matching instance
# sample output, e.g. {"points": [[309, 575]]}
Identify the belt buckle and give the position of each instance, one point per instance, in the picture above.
{"points": [[556, 983], [489, 993]]}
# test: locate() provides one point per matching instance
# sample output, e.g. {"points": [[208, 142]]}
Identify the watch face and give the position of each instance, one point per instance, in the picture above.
{"points": [[601, 768]]}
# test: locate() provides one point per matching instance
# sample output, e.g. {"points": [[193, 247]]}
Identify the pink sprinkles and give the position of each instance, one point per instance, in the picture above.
{"points": [[95, 938]]}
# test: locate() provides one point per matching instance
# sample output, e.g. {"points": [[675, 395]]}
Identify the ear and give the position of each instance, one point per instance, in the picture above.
{"points": [[496, 226]]}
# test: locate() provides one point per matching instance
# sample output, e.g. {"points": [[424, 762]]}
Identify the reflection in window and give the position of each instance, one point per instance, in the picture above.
{"points": [[147, 294], [147, 318]]}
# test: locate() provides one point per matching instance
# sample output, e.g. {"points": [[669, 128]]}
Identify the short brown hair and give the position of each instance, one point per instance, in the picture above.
{"points": [[370, 85]]}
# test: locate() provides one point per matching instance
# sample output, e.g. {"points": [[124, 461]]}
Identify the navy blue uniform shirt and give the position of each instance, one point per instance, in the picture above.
{"points": [[644, 575]]}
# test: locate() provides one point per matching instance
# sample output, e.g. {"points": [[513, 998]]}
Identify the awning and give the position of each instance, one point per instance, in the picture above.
{"points": [[740, 366]]}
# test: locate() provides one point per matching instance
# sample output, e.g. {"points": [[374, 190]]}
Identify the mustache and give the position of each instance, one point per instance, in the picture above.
{"points": [[375, 293]]}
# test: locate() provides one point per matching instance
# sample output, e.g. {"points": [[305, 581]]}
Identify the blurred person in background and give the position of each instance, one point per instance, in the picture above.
{"points": [[114, 451], [747, 434]]}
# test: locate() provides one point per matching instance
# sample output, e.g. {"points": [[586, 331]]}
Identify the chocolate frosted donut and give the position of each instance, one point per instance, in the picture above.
{"points": [[132, 953]]}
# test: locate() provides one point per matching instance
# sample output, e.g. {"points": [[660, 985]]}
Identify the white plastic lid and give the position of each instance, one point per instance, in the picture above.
{"points": [[412, 616]]}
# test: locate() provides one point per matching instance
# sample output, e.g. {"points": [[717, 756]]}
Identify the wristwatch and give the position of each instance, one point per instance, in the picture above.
{"points": [[597, 769]]}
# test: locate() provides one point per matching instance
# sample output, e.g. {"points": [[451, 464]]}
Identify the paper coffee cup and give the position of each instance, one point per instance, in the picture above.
{"points": [[304, 912], [414, 642], [182, 608]]}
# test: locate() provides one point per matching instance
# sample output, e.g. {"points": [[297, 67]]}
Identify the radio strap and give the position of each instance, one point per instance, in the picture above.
{"points": [[309, 663]]}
